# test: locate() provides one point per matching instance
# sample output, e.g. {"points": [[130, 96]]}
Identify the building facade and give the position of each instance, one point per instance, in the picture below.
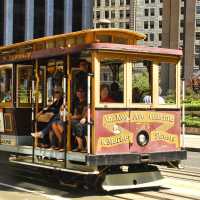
{"points": [[27, 19]]}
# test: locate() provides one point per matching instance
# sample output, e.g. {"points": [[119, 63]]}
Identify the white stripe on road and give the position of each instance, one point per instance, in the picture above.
{"points": [[52, 197]]}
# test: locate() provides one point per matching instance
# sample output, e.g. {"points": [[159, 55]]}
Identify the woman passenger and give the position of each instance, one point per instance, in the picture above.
{"points": [[105, 94]]}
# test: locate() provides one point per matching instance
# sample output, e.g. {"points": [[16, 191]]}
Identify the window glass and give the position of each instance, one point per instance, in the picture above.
{"points": [[167, 83], [141, 82], [6, 85], [24, 85], [111, 81]]}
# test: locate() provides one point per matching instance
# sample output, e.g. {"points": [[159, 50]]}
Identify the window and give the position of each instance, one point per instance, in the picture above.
{"points": [[160, 11], [146, 1], [181, 36], [98, 3], [152, 11], [151, 24], [161, 1], [141, 82], [152, 1], [146, 12], [121, 2], [6, 84], [146, 38], [111, 81], [146, 25], [24, 74], [112, 25], [151, 36], [198, 9], [121, 25], [98, 14], [127, 13], [127, 25], [197, 22], [182, 23], [127, 2], [121, 14], [107, 2], [113, 14], [182, 10], [160, 36], [197, 60], [197, 35], [160, 24], [107, 14], [112, 2], [197, 48], [97, 25]]}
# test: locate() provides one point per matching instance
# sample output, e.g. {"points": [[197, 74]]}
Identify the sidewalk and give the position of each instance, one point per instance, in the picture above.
{"points": [[192, 142]]}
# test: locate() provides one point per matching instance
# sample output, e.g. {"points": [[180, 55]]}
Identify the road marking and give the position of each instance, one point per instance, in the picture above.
{"points": [[52, 197]]}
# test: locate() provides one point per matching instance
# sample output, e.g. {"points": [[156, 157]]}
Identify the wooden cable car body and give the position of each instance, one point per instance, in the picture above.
{"points": [[124, 137]]}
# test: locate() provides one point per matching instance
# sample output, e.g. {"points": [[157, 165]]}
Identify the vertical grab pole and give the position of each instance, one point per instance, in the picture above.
{"points": [[32, 113], [64, 106], [88, 112], [183, 113]]}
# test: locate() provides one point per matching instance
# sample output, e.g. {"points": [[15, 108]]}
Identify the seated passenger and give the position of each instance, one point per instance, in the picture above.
{"points": [[105, 94], [136, 95], [116, 93], [79, 118], [54, 108]]}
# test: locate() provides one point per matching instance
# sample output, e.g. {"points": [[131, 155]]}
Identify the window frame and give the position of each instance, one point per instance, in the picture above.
{"points": [[8, 104]]}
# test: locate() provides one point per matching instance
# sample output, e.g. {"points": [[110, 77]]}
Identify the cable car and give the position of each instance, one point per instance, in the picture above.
{"points": [[133, 106]]}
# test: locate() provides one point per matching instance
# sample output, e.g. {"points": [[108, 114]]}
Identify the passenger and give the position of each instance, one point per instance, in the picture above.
{"points": [[79, 118], [105, 94], [147, 100], [116, 93], [54, 108], [136, 95], [82, 75]]}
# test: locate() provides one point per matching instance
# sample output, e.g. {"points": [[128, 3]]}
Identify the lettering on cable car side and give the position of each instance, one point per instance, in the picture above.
{"points": [[163, 121], [16, 57]]}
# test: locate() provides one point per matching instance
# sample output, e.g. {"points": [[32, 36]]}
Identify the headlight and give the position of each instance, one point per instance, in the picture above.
{"points": [[142, 138]]}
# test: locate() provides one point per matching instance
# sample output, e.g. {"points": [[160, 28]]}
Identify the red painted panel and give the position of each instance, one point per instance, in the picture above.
{"points": [[116, 131]]}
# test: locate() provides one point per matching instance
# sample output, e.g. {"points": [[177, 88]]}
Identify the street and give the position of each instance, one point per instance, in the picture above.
{"points": [[20, 183]]}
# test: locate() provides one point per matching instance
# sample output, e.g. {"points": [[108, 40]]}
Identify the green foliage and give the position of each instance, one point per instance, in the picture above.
{"points": [[192, 121], [141, 81]]}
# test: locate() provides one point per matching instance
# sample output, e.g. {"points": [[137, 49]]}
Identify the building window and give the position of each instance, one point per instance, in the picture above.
{"points": [[98, 3], [160, 24], [197, 35], [198, 9], [121, 14], [127, 2], [127, 13], [113, 14], [182, 10], [181, 36], [121, 2], [182, 23], [151, 36], [152, 11], [112, 25], [146, 38], [112, 2], [160, 36], [146, 12], [151, 24], [127, 25], [152, 1], [197, 22], [121, 25], [197, 48], [146, 1], [107, 14], [161, 1], [146, 25], [97, 25], [98, 14], [160, 11], [197, 60], [107, 2]]}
